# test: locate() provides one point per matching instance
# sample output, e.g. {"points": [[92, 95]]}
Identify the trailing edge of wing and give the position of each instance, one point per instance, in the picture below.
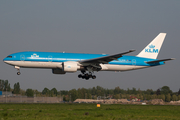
{"points": [[105, 59], [156, 61]]}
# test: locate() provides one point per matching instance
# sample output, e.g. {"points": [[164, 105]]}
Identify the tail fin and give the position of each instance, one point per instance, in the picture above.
{"points": [[153, 48]]}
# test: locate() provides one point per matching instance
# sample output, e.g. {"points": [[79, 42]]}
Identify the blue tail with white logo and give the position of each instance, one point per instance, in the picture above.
{"points": [[153, 48]]}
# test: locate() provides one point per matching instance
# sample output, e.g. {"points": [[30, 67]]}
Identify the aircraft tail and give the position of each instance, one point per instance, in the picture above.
{"points": [[153, 48]]}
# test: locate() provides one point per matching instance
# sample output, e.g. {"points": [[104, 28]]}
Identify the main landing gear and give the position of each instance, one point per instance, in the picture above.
{"points": [[86, 76], [18, 69]]}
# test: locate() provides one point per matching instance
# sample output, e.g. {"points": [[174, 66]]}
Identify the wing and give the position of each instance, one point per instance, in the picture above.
{"points": [[156, 61], [105, 59]]}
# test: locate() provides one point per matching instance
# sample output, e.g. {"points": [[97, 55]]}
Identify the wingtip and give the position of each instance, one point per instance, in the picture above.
{"points": [[162, 33], [132, 50]]}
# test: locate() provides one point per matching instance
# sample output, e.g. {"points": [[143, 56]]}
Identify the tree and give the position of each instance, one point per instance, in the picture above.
{"points": [[16, 88], [127, 96], [165, 90], [153, 96], [116, 96], [36, 93], [134, 91], [45, 91], [65, 98], [89, 96], [117, 90], [54, 91], [4, 85], [64, 92], [1, 85], [29, 92], [178, 97], [179, 92], [141, 97], [93, 91], [174, 98], [158, 92], [73, 94], [161, 97], [168, 97], [149, 92], [80, 95]]}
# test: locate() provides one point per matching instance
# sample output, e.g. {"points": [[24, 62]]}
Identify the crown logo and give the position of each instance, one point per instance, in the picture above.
{"points": [[35, 55], [151, 46]]}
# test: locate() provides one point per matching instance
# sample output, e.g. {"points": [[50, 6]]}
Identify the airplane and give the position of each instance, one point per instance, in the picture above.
{"points": [[62, 63]]}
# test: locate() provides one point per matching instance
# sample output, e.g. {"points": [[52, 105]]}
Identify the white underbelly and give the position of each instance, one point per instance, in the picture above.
{"points": [[108, 67], [30, 64]]}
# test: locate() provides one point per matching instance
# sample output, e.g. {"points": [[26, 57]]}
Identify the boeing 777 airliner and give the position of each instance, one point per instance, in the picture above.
{"points": [[61, 62]]}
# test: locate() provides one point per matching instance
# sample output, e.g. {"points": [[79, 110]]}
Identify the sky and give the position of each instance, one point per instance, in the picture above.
{"points": [[96, 26]]}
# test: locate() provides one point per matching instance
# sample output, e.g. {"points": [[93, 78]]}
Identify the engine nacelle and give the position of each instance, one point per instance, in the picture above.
{"points": [[70, 66], [58, 71]]}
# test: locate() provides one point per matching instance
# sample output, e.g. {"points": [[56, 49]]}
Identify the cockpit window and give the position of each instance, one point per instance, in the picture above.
{"points": [[9, 56]]}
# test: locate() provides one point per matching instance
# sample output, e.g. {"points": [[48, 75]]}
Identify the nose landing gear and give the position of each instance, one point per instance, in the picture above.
{"points": [[18, 69]]}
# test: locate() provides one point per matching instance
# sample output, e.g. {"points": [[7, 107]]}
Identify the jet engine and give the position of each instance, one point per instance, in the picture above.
{"points": [[70, 66]]}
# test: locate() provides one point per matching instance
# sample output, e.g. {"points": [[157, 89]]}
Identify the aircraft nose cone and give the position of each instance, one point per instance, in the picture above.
{"points": [[5, 60]]}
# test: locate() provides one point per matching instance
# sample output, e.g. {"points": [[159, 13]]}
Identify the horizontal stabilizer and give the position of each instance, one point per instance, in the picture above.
{"points": [[156, 61]]}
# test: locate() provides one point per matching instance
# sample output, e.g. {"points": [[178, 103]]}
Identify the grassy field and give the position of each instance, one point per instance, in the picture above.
{"points": [[88, 112]]}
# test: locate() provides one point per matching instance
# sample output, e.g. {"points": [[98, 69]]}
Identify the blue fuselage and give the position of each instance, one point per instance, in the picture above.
{"points": [[64, 57]]}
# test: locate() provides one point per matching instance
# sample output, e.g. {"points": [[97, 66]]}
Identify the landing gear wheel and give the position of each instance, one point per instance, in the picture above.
{"points": [[18, 73], [87, 77], [90, 76], [93, 77], [79, 76]]}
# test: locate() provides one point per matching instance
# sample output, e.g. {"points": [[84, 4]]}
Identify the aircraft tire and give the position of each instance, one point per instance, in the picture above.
{"points": [[90, 76], [86, 75], [18, 73], [87, 78], [79, 76], [93, 77]]}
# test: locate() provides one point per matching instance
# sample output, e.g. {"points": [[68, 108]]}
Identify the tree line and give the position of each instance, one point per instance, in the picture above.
{"points": [[97, 92]]}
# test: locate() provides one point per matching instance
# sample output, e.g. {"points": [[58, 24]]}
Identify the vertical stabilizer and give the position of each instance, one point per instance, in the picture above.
{"points": [[153, 48]]}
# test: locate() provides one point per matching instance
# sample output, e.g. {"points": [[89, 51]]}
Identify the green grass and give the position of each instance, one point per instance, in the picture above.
{"points": [[88, 112]]}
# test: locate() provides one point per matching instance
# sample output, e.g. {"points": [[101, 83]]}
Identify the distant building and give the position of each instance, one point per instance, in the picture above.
{"points": [[4, 94]]}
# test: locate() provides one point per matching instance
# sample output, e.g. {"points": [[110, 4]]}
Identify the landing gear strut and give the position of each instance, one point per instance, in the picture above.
{"points": [[86, 75]]}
